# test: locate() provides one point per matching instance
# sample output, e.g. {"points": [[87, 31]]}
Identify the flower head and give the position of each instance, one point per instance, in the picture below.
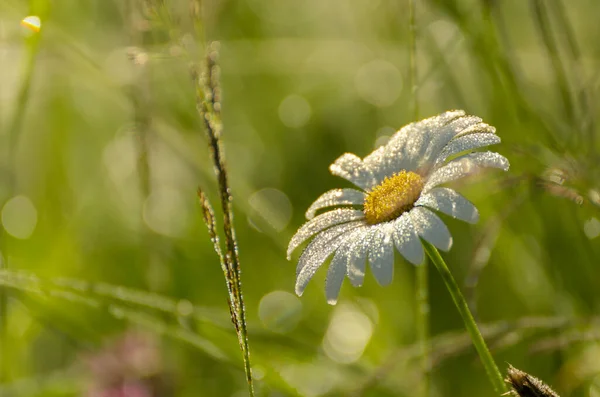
{"points": [[398, 189]]}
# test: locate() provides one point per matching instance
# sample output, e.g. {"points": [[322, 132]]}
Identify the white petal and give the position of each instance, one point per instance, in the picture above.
{"points": [[381, 254], [351, 168], [375, 163], [318, 251], [441, 138], [464, 166], [449, 202], [429, 123], [476, 129], [467, 142], [357, 257], [429, 226], [417, 145], [407, 241], [320, 223], [339, 264], [335, 276], [336, 197]]}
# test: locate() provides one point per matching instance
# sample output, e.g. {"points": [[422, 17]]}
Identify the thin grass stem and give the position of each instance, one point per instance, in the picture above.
{"points": [[209, 105], [487, 360]]}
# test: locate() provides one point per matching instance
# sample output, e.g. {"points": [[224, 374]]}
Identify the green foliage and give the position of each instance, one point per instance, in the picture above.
{"points": [[103, 151]]}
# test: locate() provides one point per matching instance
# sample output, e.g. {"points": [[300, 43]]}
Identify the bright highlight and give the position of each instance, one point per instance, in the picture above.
{"points": [[32, 22]]}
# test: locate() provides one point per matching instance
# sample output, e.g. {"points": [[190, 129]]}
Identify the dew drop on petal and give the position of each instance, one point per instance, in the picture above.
{"points": [[19, 217]]}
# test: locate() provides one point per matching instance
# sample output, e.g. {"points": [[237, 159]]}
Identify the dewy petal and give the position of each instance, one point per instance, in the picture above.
{"points": [[318, 251], [467, 142], [464, 166], [381, 254], [350, 167], [426, 124], [339, 264], [429, 226], [417, 146], [407, 241], [375, 163], [335, 276], [357, 257], [476, 129], [336, 197], [405, 146], [320, 223], [449, 202]]}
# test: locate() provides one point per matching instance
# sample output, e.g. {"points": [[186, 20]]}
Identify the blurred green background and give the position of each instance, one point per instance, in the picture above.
{"points": [[109, 272]]}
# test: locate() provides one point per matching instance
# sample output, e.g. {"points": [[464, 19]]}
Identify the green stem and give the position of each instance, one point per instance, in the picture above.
{"points": [[423, 325], [422, 295], [487, 360]]}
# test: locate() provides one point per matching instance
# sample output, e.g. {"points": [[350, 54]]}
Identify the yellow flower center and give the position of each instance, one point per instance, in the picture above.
{"points": [[392, 197]]}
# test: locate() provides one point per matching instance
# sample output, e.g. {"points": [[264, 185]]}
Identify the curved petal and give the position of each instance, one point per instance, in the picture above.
{"points": [[318, 251], [429, 226], [407, 241], [417, 146], [335, 276], [350, 167], [426, 124], [357, 258], [406, 145], [464, 166], [449, 202], [381, 254], [339, 264], [467, 142], [320, 223], [476, 129], [335, 197]]}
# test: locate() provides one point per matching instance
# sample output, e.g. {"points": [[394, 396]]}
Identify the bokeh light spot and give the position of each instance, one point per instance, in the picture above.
{"points": [[280, 311], [19, 217], [348, 334], [591, 228], [270, 206], [166, 212], [379, 83], [294, 111]]}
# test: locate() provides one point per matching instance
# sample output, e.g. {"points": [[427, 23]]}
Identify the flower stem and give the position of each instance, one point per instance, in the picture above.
{"points": [[422, 295], [422, 321], [487, 360]]}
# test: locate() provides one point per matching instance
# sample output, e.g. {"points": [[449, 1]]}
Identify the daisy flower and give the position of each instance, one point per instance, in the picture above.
{"points": [[398, 192]]}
